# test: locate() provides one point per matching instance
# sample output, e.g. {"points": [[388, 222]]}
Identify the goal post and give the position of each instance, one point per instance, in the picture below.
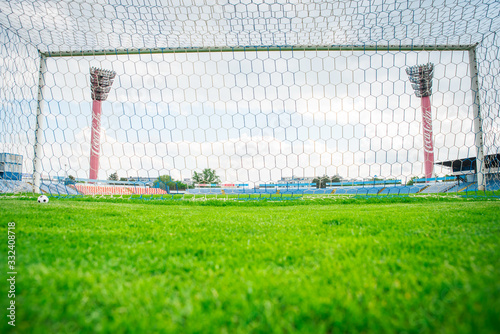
{"points": [[476, 114], [344, 52], [38, 150]]}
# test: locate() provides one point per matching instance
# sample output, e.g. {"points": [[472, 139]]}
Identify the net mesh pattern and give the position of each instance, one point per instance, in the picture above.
{"points": [[259, 92]]}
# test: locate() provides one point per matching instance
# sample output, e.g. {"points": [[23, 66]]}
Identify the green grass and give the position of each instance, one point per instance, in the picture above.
{"points": [[403, 264]]}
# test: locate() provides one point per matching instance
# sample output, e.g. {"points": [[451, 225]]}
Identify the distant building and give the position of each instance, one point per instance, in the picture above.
{"points": [[11, 166], [289, 183], [146, 180], [295, 179], [143, 179]]}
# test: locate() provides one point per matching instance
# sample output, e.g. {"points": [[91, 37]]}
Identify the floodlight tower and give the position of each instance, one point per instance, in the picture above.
{"points": [[100, 85], [421, 80]]}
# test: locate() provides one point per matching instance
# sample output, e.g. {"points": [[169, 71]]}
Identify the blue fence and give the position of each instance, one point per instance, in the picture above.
{"points": [[434, 179], [363, 183]]}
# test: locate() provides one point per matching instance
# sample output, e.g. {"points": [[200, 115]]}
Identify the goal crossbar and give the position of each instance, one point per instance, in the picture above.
{"points": [[378, 47]]}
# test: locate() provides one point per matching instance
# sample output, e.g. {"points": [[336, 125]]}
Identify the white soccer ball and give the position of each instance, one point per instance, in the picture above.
{"points": [[43, 199]]}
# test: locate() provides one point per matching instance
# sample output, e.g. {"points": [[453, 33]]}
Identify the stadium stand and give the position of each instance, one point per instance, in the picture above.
{"points": [[438, 188], [402, 190], [369, 190], [55, 189], [261, 191], [90, 189], [394, 189], [347, 190], [203, 191], [323, 191], [472, 188], [365, 183], [459, 187], [292, 192], [13, 186], [147, 191], [490, 186], [237, 191], [493, 185]]}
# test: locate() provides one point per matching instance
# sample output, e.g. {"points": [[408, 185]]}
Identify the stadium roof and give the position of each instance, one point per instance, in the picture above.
{"points": [[75, 25], [468, 164]]}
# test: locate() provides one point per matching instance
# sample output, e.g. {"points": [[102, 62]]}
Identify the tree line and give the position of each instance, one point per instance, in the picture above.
{"points": [[209, 176]]}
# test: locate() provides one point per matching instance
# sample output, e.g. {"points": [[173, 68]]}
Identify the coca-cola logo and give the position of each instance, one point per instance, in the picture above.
{"points": [[427, 129], [96, 135]]}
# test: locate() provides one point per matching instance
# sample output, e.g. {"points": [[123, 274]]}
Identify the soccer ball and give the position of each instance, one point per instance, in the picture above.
{"points": [[43, 199]]}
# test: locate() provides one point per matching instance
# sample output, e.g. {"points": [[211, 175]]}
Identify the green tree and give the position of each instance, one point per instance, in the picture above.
{"points": [[321, 181], [336, 178], [163, 182], [70, 180], [166, 182], [165, 178], [113, 177], [206, 176], [180, 186], [412, 181]]}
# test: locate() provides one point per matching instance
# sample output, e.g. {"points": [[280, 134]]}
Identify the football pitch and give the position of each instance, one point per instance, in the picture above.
{"points": [[413, 265]]}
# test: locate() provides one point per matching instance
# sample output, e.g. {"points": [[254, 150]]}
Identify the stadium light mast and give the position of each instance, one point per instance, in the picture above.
{"points": [[100, 85], [421, 80]]}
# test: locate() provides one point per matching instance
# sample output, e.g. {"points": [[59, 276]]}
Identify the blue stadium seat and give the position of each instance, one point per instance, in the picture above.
{"points": [[438, 188], [234, 191], [56, 189], [14, 186], [459, 187], [402, 190], [208, 191], [493, 185]]}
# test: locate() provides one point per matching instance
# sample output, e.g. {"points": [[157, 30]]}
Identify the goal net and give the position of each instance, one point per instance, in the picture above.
{"points": [[201, 97]]}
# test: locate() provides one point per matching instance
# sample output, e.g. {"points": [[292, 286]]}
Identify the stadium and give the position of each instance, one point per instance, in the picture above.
{"points": [[250, 166]]}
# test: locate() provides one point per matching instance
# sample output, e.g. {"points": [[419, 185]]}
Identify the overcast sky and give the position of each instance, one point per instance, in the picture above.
{"points": [[257, 116]]}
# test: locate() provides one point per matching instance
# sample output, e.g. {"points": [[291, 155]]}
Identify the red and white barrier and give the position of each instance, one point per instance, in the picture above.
{"points": [[91, 189]]}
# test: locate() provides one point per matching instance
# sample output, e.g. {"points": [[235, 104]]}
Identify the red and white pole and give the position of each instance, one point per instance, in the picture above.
{"points": [[95, 139], [421, 79], [100, 85], [427, 132]]}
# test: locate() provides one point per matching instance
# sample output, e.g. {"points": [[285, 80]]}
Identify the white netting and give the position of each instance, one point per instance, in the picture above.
{"points": [[257, 91], [54, 26]]}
